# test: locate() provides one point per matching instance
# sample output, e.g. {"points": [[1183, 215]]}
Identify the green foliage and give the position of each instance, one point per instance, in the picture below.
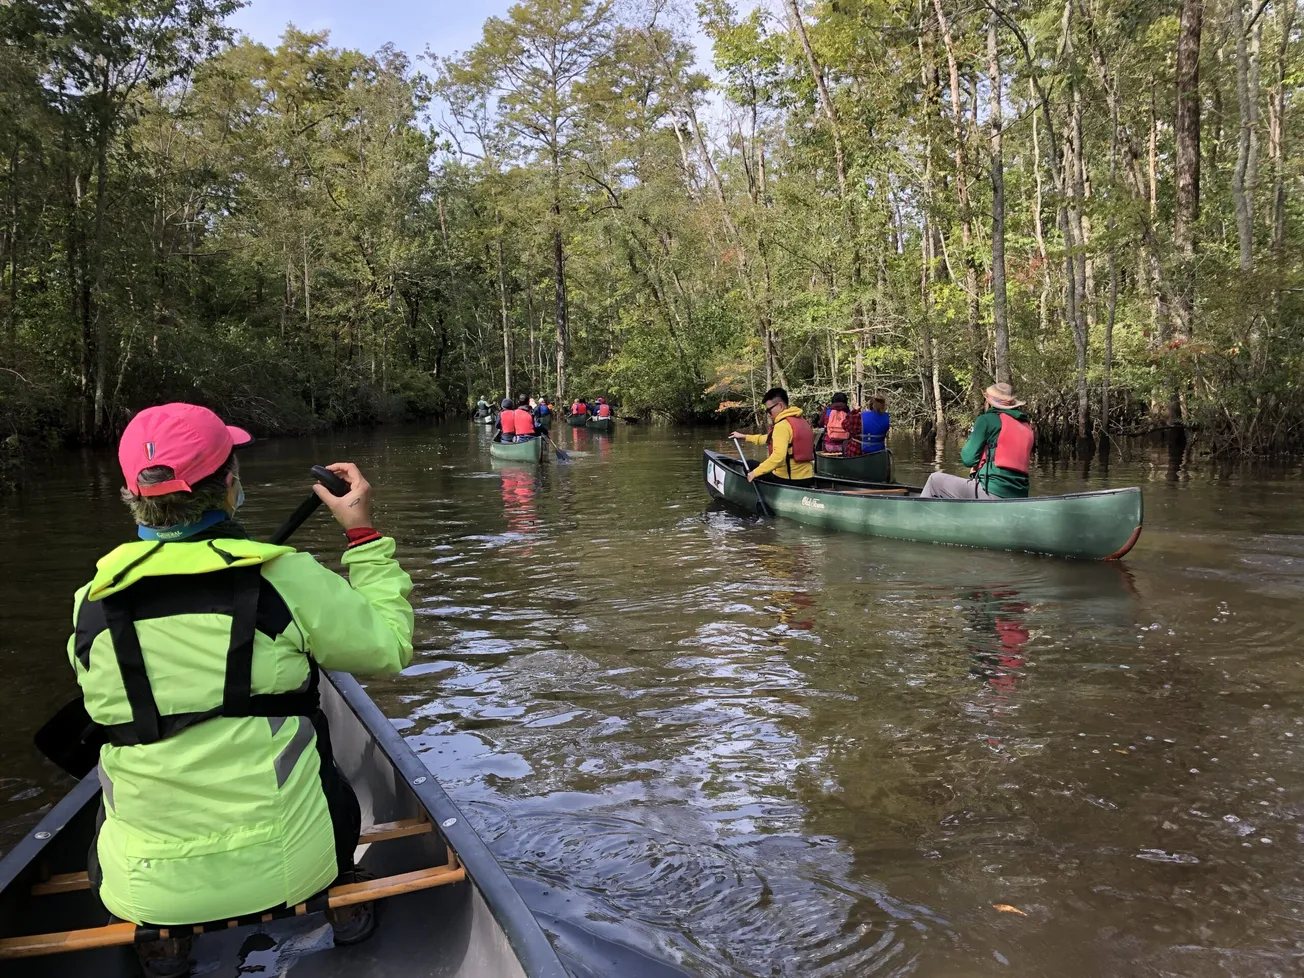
{"points": [[278, 233]]}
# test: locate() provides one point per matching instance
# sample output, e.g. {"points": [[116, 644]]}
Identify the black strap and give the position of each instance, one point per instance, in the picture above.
{"points": [[238, 698], [131, 665], [238, 685]]}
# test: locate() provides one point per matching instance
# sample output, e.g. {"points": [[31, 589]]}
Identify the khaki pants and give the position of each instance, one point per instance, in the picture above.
{"points": [[940, 485]]}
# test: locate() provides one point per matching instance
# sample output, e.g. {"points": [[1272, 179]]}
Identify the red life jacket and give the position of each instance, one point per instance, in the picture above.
{"points": [[507, 421], [1013, 445], [835, 428], [801, 448], [579, 407], [604, 410], [524, 423]]}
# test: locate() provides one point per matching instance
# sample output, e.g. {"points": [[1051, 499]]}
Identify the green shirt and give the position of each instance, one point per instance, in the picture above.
{"points": [[997, 481]]}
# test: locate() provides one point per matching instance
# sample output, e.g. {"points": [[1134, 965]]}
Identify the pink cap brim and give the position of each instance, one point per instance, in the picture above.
{"points": [[239, 437]]}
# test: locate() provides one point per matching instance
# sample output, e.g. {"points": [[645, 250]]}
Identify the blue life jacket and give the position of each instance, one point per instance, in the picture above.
{"points": [[544, 410], [873, 431]]}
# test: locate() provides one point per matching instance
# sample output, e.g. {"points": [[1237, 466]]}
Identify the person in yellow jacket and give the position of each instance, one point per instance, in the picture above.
{"points": [[198, 651], [790, 442]]}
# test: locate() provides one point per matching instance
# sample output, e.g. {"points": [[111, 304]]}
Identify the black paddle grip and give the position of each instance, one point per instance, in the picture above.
{"points": [[333, 483]]}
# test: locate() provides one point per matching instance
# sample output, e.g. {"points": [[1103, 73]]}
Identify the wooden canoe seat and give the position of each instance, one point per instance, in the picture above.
{"points": [[115, 935], [873, 492], [380, 832]]}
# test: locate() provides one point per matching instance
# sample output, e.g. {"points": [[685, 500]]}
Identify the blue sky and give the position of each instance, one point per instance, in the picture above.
{"points": [[410, 25]]}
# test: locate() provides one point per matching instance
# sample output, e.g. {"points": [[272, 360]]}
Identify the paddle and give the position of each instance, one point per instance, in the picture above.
{"points": [[562, 456], [71, 739], [333, 483], [760, 502]]}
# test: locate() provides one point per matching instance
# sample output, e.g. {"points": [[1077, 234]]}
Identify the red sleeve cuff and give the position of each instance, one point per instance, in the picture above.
{"points": [[360, 535]]}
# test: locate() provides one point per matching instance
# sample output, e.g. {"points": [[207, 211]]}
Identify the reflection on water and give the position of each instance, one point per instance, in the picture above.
{"points": [[703, 744]]}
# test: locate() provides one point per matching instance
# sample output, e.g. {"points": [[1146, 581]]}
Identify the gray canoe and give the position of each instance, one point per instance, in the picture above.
{"points": [[474, 927]]}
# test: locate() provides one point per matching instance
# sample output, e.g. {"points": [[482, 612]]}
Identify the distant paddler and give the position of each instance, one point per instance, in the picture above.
{"points": [[482, 408], [505, 429], [524, 424], [543, 414], [790, 442], [998, 452]]}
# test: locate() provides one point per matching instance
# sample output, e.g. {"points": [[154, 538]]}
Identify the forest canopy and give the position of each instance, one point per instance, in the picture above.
{"points": [[1097, 200]]}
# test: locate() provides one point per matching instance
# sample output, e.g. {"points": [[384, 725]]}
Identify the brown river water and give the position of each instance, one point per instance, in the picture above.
{"points": [[729, 747]]}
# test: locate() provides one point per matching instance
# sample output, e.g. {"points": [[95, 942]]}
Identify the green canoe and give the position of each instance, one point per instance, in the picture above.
{"points": [[876, 467], [601, 424], [1091, 525], [577, 420], [518, 451]]}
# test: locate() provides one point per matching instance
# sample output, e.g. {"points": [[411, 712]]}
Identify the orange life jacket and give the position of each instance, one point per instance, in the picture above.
{"points": [[802, 446], [1013, 445], [507, 421], [604, 410], [835, 428], [579, 407], [524, 423]]}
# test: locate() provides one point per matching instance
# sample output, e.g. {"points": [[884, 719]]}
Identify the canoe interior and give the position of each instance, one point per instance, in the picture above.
{"points": [[1099, 525], [475, 929], [875, 467]]}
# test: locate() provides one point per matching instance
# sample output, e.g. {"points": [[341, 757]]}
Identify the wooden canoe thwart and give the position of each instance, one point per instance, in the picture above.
{"points": [[518, 451], [449, 910], [1102, 525]]}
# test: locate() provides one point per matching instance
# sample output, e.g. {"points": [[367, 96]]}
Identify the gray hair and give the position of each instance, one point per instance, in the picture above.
{"points": [[179, 508]]}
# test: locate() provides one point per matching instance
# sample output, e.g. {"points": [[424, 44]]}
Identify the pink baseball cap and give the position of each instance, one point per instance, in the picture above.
{"points": [[189, 439]]}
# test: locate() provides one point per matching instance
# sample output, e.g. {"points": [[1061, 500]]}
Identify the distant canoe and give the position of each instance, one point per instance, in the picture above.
{"points": [[601, 424], [485, 419], [1091, 525], [876, 467], [518, 451], [577, 420]]}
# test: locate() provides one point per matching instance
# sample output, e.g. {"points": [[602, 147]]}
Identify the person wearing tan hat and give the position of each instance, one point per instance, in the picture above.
{"points": [[998, 453]]}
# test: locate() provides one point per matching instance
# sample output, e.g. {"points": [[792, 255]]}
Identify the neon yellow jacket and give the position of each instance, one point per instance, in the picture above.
{"points": [[226, 816], [779, 449]]}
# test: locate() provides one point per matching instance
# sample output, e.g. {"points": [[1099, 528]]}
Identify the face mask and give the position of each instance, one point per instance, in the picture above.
{"points": [[239, 499]]}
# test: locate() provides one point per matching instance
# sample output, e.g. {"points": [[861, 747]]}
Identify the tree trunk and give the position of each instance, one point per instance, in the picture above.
{"points": [[1245, 175], [999, 321], [506, 319], [840, 163], [97, 274], [1277, 133], [966, 211], [1111, 312], [1078, 264], [1186, 131], [561, 314]]}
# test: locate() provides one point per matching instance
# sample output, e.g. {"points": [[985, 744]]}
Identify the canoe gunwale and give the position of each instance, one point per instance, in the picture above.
{"points": [[22, 855], [533, 950], [531, 945]]}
